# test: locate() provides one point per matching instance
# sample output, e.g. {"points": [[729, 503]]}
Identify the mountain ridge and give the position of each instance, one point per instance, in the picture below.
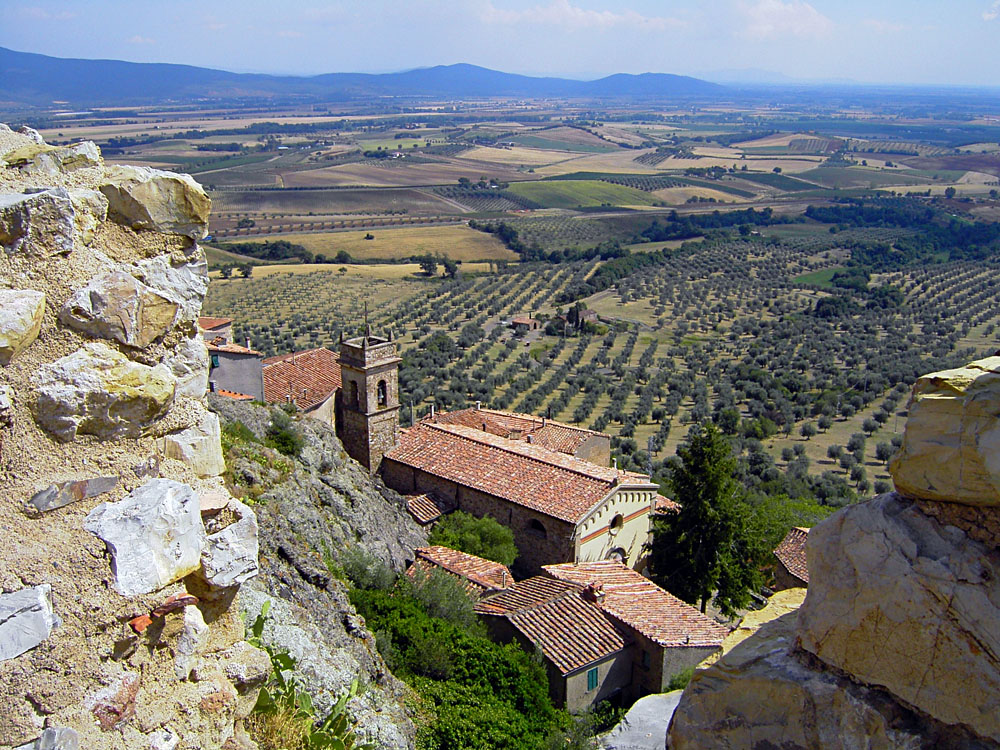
{"points": [[40, 80]]}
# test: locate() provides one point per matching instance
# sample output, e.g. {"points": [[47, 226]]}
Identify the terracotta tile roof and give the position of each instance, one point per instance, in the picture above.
{"points": [[546, 481], [216, 345], [209, 324], [522, 320], [235, 395], [524, 594], [792, 553], [480, 574], [570, 632], [547, 433], [634, 600], [425, 508], [664, 505], [309, 377]]}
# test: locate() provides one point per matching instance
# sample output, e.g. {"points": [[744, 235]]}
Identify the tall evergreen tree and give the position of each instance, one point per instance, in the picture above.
{"points": [[714, 542]]}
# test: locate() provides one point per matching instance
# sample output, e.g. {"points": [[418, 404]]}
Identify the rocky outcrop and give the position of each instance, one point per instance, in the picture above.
{"points": [[312, 509], [897, 644], [118, 627]]}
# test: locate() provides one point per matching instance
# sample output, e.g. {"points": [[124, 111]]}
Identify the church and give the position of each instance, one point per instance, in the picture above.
{"points": [[548, 482]]}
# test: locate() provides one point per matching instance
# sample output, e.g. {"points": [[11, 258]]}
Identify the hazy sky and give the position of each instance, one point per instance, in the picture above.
{"points": [[895, 41]]}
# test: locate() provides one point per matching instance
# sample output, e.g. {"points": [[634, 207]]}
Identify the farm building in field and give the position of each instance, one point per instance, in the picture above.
{"points": [[233, 368], [522, 324], [791, 570], [546, 481], [604, 631], [307, 379]]}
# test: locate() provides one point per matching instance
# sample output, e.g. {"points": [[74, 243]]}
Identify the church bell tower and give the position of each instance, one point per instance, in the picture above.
{"points": [[368, 402]]}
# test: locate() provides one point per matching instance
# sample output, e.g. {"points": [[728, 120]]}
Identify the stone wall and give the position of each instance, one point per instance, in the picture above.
{"points": [[122, 548], [897, 644]]}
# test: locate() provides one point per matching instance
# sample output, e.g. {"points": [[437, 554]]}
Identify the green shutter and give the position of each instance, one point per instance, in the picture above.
{"points": [[215, 360], [592, 679]]}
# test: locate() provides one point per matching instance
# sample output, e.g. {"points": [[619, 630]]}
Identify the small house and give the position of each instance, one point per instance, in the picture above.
{"points": [[791, 570]]}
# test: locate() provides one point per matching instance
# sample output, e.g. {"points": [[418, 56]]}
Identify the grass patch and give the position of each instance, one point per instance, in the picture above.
{"points": [[779, 181], [818, 278], [534, 141]]}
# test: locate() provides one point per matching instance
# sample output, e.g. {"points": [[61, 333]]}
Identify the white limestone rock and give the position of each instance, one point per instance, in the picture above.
{"points": [[230, 556], [59, 738], [765, 694], [155, 535], [120, 307], [199, 446], [26, 619], [899, 600], [91, 208], [42, 160], [184, 284], [41, 224], [6, 406], [21, 312], [31, 133], [99, 391], [145, 198], [189, 642], [951, 446], [189, 364]]}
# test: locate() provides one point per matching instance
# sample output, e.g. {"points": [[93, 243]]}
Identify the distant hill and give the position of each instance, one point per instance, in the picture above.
{"points": [[40, 80]]}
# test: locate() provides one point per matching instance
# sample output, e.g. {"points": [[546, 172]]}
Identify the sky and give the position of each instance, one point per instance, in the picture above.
{"points": [[951, 42]]}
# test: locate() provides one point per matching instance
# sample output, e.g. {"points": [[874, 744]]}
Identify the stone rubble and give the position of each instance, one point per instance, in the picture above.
{"points": [[21, 312], [26, 620], [155, 535], [64, 493], [61, 738], [146, 198], [39, 224], [199, 446], [230, 556]]}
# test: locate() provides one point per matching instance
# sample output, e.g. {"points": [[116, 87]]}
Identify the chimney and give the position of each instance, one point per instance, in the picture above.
{"points": [[593, 592], [211, 386], [248, 342], [614, 462], [503, 578], [530, 439], [478, 405], [432, 411]]}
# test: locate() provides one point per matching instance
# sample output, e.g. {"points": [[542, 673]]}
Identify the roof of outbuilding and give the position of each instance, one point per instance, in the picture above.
{"points": [[531, 476], [639, 603], [547, 433], [235, 395], [210, 324], [481, 574], [305, 378], [216, 346], [792, 553], [570, 632], [424, 508]]}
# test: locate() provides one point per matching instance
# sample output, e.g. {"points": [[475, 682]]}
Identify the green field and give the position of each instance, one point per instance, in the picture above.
{"points": [[857, 177], [581, 193], [818, 278], [779, 181]]}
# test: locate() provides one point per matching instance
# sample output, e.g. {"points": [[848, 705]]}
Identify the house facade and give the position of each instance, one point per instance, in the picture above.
{"points": [[234, 370]]}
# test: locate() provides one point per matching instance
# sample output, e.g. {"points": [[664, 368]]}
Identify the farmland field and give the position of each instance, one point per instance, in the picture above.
{"points": [[574, 193], [457, 242]]}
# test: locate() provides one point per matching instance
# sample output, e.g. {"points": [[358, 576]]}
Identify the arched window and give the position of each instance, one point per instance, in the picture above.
{"points": [[618, 554], [352, 394], [616, 524], [535, 528], [383, 393]]}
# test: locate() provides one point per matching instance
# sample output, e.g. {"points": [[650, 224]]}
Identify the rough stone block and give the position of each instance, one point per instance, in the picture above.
{"points": [[951, 446], [21, 312], [899, 600], [26, 619], [189, 364], [154, 534], [145, 198], [230, 556], [184, 284], [62, 494], [199, 446], [97, 390], [43, 160], [765, 694], [40, 223], [91, 208], [6, 406], [120, 307], [55, 738]]}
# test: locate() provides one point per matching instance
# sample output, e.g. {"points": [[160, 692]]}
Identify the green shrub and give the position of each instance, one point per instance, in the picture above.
{"points": [[365, 571], [680, 680], [282, 435], [442, 595], [483, 537]]}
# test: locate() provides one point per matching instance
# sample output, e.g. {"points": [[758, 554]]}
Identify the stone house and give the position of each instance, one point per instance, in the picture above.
{"points": [[523, 324], [234, 370], [307, 379], [791, 570], [604, 631]]}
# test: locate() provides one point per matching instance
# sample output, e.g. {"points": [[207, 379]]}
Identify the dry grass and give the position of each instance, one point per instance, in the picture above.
{"points": [[282, 731], [455, 241], [530, 157], [616, 162], [677, 195], [383, 271]]}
